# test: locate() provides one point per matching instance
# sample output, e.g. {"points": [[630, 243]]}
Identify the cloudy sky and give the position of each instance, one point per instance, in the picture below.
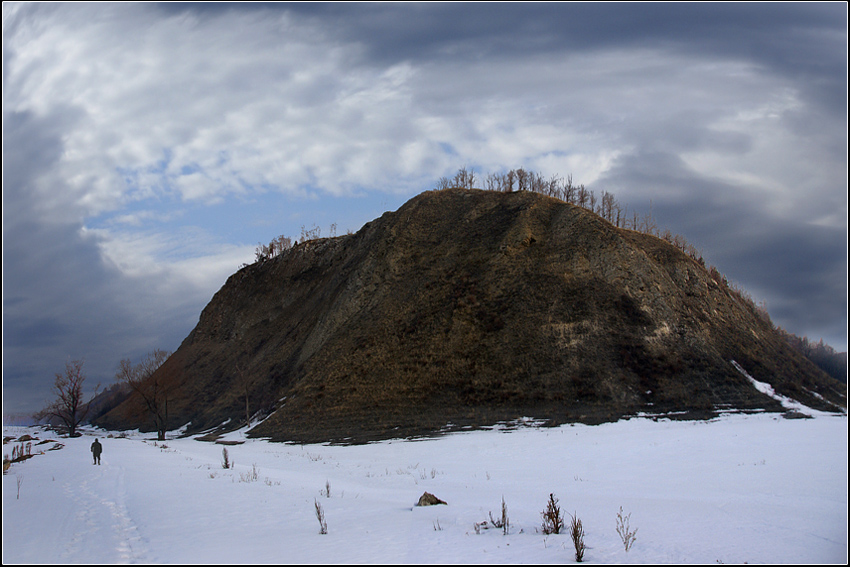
{"points": [[148, 149]]}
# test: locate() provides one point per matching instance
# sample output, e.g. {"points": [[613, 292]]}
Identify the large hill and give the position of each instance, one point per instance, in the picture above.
{"points": [[467, 307]]}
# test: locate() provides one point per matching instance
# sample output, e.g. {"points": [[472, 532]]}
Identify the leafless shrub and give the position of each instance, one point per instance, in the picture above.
{"points": [[442, 184], [225, 459], [553, 521], [312, 234], [577, 535], [320, 515], [250, 476], [464, 178], [503, 523], [276, 247], [623, 530]]}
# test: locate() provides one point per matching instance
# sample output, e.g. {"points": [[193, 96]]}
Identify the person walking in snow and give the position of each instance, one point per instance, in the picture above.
{"points": [[96, 449]]}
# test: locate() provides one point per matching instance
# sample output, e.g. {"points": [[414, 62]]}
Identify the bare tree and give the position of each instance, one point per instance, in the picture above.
{"points": [[592, 201], [538, 183], [280, 245], [608, 206], [522, 179], [276, 247], [470, 179], [313, 234], [442, 184], [582, 196], [261, 252], [649, 226], [464, 178], [510, 178], [153, 388], [70, 407], [553, 187], [569, 190]]}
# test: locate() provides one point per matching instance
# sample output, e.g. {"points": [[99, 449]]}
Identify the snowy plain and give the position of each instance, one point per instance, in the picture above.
{"points": [[755, 488]]}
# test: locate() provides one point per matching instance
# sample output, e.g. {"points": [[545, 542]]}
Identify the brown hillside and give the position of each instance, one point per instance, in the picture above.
{"points": [[468, 307]]}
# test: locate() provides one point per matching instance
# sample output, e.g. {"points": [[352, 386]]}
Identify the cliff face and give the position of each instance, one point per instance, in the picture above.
{"points": [[470, 307]]}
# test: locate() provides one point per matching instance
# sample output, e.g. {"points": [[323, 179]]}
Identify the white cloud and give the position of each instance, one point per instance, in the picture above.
{"points": [[202, 107]]}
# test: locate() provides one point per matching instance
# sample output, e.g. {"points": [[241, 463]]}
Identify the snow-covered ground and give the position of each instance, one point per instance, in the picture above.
{"points": [[740, 488]]}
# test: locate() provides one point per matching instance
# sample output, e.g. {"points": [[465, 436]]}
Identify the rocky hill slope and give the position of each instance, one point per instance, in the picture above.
{"points": [[466, 307]]}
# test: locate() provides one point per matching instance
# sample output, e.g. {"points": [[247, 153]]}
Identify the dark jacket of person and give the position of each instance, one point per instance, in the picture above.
{"points": [[96, 448]]}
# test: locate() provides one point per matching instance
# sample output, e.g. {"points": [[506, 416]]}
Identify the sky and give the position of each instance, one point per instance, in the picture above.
{"points": [[149, 148]]}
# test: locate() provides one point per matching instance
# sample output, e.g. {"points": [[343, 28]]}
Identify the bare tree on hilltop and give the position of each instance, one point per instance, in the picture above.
{"points": [[605, 206], [282, 243], [276, 247]]}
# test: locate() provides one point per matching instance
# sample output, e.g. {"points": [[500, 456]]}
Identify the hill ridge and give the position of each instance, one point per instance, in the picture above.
{"points": [[471, 307]]}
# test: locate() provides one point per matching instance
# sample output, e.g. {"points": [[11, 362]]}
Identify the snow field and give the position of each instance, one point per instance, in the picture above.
{"points": [[756, 489]]}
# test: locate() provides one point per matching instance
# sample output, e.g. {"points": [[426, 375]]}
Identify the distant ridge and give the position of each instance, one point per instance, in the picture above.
{"points": [[468, 307]]}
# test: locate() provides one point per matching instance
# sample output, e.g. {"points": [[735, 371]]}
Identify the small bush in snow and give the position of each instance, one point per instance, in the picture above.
{"points": [[225, 459], [577, 534], [503, 523], [320, 515], [626, 534], [553, 521], [251, 476]]}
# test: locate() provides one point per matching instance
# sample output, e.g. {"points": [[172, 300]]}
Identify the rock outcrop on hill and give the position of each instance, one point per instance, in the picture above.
{"points": [[467, 307]]}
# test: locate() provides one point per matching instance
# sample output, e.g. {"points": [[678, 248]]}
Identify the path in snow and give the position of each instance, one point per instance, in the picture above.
{"points": [[82, 506], [102, 517]]}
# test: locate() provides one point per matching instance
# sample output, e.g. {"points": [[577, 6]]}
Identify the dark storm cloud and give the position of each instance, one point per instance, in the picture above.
{"points": [[805, 41], [795, 37], [61, 301]]}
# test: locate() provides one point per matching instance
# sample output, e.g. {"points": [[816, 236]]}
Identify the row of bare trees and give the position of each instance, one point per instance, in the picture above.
{"points": [[71, 406], [605, 204], [274, 248], [153, 391], [282, 243]]}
